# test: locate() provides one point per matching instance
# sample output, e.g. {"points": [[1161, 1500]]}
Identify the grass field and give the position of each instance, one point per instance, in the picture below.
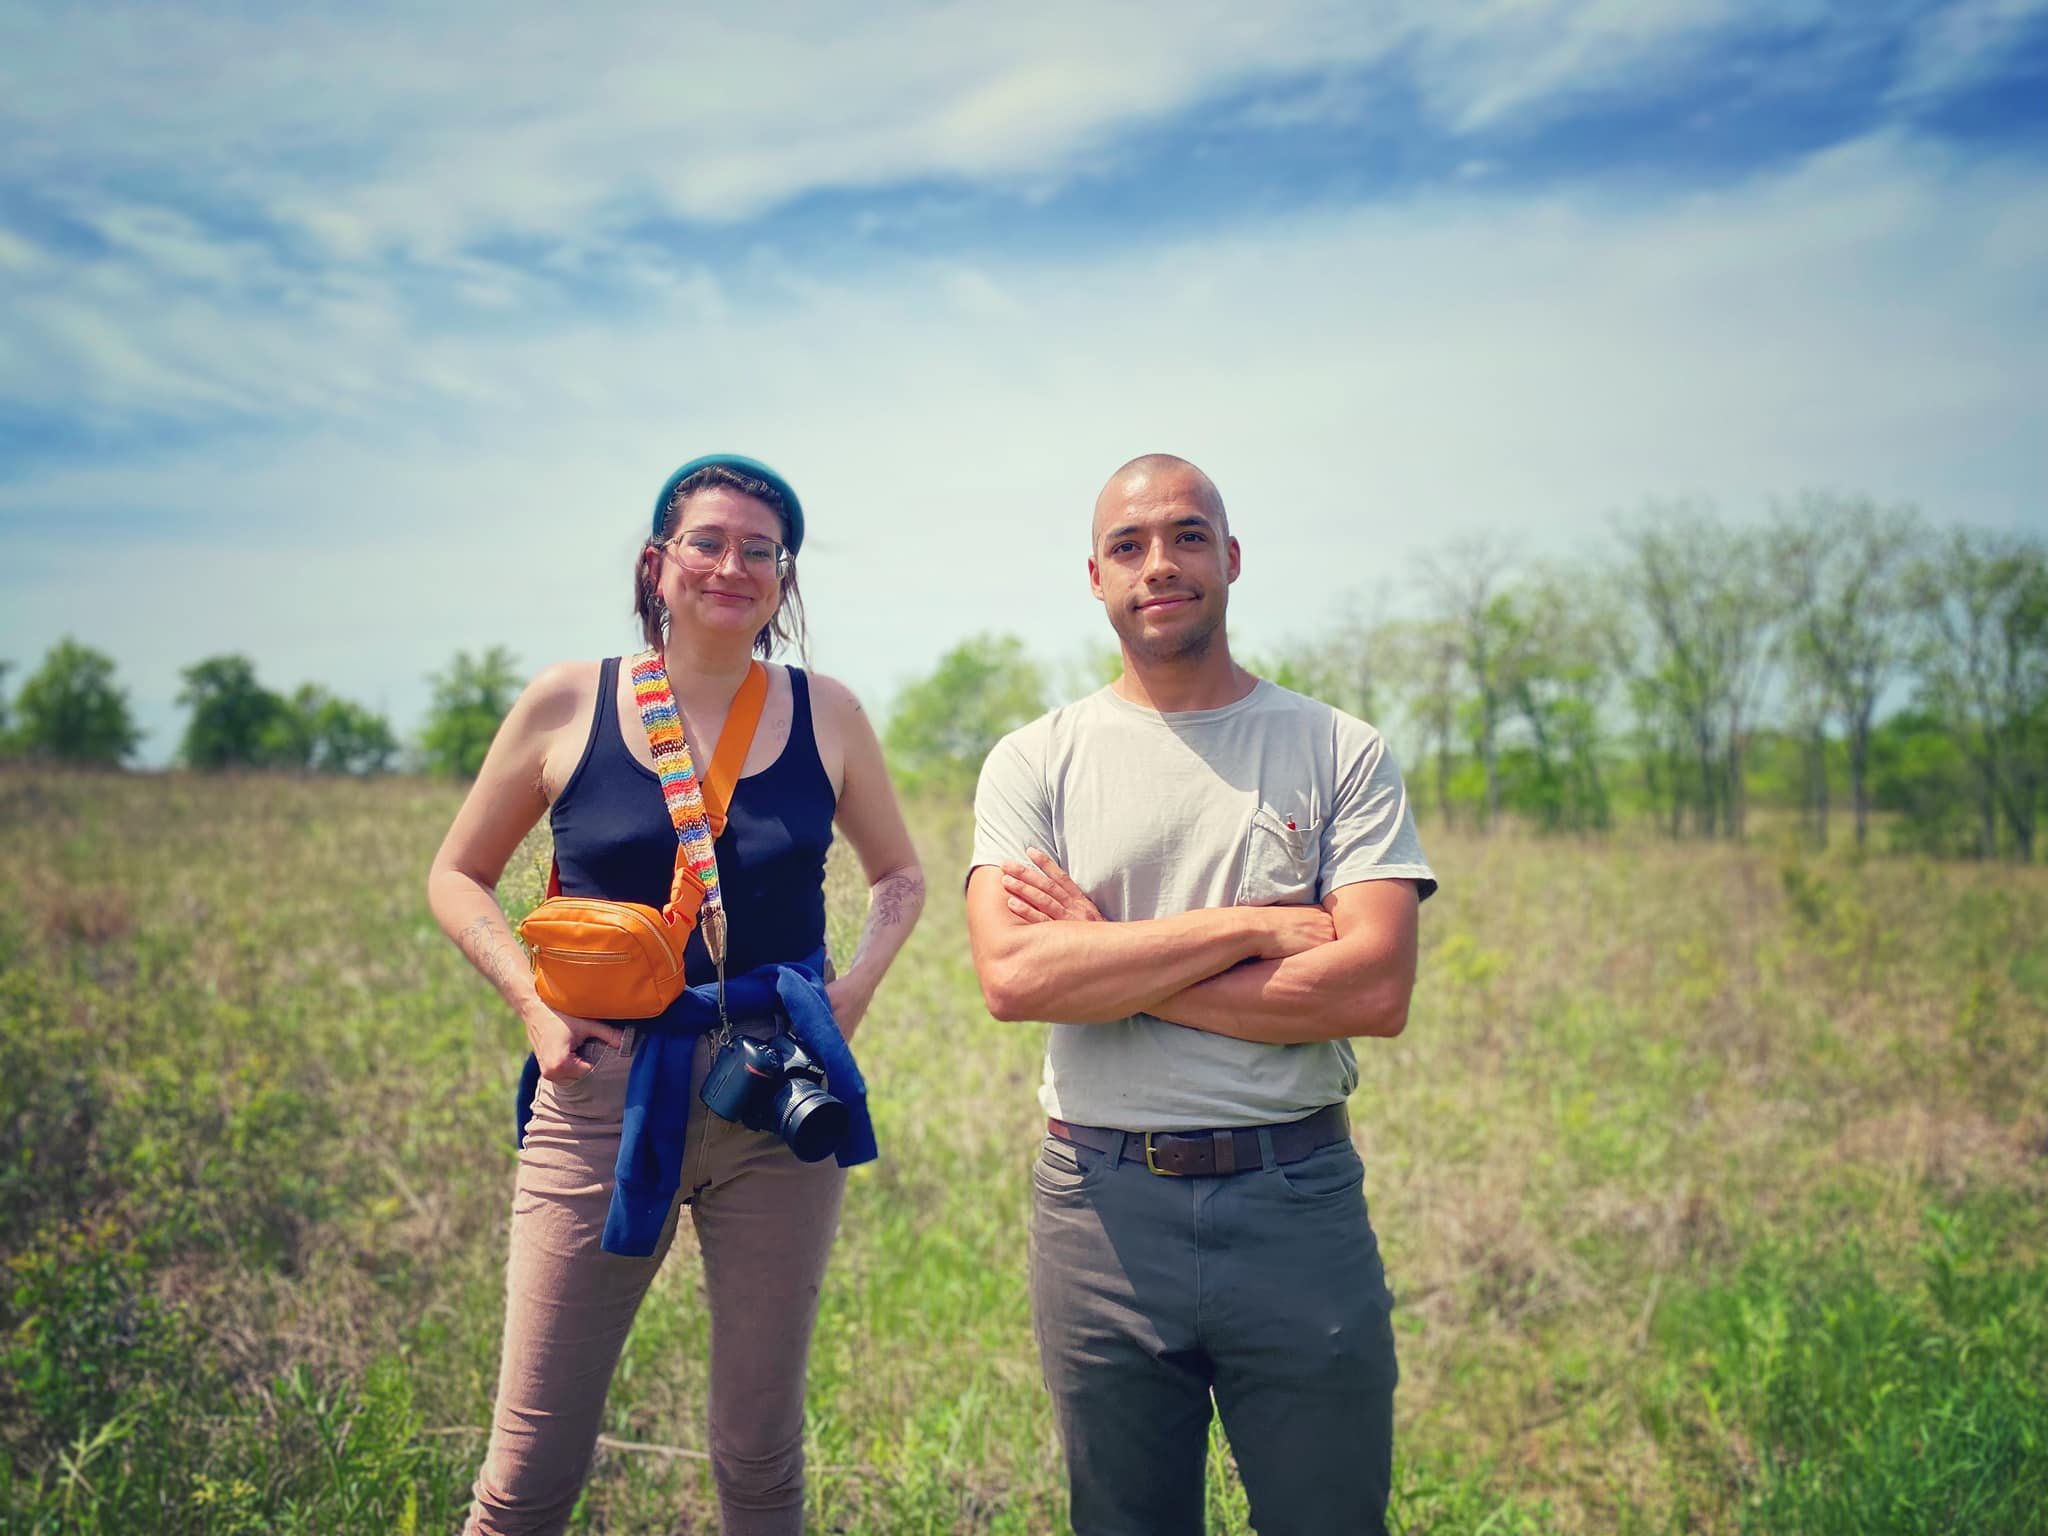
{"points": [[1711, 1183]]}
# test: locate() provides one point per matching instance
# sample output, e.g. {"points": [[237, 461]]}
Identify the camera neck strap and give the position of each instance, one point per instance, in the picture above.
{"points": [[697, 806]]}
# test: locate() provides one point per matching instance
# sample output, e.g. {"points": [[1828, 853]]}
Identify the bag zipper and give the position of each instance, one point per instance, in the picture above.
{"points": [[627, 916]]}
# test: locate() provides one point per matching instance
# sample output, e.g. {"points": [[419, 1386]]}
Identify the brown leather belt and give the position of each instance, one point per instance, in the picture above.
{"points": [[1190, 1154]]}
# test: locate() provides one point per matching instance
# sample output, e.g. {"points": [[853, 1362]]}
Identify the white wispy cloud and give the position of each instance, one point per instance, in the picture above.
{"points": [[378, 130]]}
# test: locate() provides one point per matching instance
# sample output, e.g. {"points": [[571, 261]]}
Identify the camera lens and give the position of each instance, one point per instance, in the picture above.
{"points": [[810, 1120]]}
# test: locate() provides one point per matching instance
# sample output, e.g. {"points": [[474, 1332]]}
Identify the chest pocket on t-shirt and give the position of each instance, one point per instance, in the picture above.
{"points": [[1281, 862]]}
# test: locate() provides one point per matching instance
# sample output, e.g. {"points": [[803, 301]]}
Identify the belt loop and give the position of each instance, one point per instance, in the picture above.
{"points": [[1266, 1158], [1116, 1153]]}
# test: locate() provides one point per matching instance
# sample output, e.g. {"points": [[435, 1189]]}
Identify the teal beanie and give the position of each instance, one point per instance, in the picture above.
{"points": [[792, 508]]}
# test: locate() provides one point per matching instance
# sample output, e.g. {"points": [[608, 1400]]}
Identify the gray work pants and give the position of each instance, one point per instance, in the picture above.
{"points": [[1261, 1290]]}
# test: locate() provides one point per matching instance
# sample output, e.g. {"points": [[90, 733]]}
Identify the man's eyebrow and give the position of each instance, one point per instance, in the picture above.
{"points": [[1192, 520]]}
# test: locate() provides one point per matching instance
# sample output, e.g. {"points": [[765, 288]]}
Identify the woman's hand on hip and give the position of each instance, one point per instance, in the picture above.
{"points": [[556, 1039], [849, 998]]}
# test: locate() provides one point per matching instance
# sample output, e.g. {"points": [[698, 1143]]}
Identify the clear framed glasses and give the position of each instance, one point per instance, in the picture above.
{"points": [[703, 549]]}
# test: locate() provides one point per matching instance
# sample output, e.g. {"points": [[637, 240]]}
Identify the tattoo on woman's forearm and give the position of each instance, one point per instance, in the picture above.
{"points": [[893, 901], [488, 945], [892, 897]]}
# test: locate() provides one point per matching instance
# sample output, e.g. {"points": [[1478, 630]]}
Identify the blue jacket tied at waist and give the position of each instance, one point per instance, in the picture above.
{"points": [[650, 1165]]}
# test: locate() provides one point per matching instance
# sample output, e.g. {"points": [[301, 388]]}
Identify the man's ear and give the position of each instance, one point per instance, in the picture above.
{"points": [[1094, 579], [1236, 559]]}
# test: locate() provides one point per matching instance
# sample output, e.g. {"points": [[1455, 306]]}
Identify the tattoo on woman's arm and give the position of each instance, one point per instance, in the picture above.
{"points": [[893, 902], [491, 949], [892, 897]]}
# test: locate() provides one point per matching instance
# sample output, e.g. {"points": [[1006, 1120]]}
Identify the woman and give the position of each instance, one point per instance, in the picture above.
{"points": [[714, 584]]}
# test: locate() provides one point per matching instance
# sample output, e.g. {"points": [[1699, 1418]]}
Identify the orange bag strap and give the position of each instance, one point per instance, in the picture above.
{"points": [[735, 737], [693, 892]]}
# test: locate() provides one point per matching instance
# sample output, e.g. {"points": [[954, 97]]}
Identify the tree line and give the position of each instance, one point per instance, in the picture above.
{"points": [[1839, 654], [72, 710]]}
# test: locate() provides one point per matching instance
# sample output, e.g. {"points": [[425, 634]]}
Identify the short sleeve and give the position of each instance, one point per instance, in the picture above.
{"points": [[1012, 810], [1370, 832]]}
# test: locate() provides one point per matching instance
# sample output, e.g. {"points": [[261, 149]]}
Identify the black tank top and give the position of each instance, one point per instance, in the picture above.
{"points": [[614, 839]]}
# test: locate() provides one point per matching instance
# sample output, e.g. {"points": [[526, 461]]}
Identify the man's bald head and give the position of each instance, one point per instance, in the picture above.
{"points": [[1158, 476]]}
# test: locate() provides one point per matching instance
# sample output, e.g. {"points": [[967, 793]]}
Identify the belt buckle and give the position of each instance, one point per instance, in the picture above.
{"points": [[1152, 1161]]}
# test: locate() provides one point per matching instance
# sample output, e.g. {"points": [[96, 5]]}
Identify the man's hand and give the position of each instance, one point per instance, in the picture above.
{"points": [[1293, 930], [1359, 984], [1041, 892]]}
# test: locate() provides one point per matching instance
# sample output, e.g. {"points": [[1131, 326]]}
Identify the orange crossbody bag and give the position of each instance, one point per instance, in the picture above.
{"points": [[598, 959]]}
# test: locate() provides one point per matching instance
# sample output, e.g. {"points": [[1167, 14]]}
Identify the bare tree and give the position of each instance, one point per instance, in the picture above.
{"points": [[1341, 668], [1807, 706], [1707, 611], [1843, 564], [1466, 580], [1419, 675]]}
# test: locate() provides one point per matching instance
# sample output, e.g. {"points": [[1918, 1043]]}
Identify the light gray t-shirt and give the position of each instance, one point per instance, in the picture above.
{"points": [[1275, 798]]}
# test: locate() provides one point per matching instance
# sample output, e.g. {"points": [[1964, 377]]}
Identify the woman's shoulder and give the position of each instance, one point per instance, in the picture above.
{"points": [[560, 693], [831, 697], [559, 705], [846, 737]]}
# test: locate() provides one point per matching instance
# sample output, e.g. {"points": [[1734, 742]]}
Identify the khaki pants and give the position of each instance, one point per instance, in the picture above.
{"points": [[764, 1224], [1260, 1292]]}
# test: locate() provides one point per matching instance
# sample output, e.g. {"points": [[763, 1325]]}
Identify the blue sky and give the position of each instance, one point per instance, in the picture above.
{"points": [[346, 341]]}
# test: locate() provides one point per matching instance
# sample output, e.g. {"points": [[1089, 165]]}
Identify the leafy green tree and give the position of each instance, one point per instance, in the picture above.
{"points": [[73, 712], [288, 739], [1982, 600], [1551, 642], [348, 738], [319, 733], [945, 724], [1922, 774], [1662, 738], [471, 700], [7, 742], [233, 715]]}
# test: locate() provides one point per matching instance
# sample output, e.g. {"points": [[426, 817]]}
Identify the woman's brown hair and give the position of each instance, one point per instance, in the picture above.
{"points": [[786, 628]]}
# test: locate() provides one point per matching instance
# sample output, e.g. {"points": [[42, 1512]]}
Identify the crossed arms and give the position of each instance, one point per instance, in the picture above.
{"points": [[1278, 975]]}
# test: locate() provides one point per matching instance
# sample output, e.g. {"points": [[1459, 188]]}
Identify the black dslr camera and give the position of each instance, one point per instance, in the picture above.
{"points": [[773, 1085]]}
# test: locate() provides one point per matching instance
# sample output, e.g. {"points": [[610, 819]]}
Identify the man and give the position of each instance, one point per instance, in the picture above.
{"points": [[1209, 884]]}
